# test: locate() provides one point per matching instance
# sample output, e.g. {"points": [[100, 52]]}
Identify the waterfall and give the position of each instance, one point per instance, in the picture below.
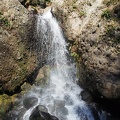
{"points": [[61, 95], [62, 86]]}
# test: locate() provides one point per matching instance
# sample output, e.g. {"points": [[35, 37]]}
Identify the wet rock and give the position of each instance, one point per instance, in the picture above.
{"points": [[96, 112], [86, 96], [51, 108], [26, 87], [61, 111], [81, 114], [41, 115], [68, 100], [42, 108], [59, 103], [42, 76], [20, 116], [16, 114], [35, 115], [29, 101]]}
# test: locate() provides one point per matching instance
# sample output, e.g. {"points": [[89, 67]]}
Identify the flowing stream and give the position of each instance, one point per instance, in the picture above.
{"points": [[61, 95]]}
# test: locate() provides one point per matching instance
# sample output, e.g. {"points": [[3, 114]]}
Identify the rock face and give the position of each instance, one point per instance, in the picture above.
{"points": [[17, 50], [92, 29], [17, 56]]}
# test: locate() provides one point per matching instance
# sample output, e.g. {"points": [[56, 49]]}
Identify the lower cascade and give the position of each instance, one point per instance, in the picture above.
{"points": [[60, 98]]}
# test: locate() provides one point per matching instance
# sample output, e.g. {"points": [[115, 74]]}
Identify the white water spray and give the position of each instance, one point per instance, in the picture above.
{"points": [[62, 93]]}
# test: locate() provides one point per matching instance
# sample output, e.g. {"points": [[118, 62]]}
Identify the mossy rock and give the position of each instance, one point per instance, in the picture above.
{"points": [[5, 104]]}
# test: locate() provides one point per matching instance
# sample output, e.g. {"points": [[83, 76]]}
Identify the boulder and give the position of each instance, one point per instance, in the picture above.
{"points": [[30, 101], [86, 96], [59, 103], [68, 100], [43, 75], [41, 114]]}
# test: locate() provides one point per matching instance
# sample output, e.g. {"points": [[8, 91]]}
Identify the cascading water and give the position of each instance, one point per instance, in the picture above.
{"points": [[61, 95], [62, 87]]}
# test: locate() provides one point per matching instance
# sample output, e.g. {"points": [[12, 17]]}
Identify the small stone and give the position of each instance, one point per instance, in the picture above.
{"points": [[51, 108], [113, 57], [108, 53], [29, 101], [23, 21], [86, 96], [94, 30], [68, 100], [25, 87], [59, 103], [61, 111], [42, 108], [6, 14]]}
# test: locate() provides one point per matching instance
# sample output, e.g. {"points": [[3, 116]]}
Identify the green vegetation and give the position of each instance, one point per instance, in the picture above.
{"points": [[106, 14], [5, 104], [3, 20], [73, 51], [74, 54], [82, 13]]}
